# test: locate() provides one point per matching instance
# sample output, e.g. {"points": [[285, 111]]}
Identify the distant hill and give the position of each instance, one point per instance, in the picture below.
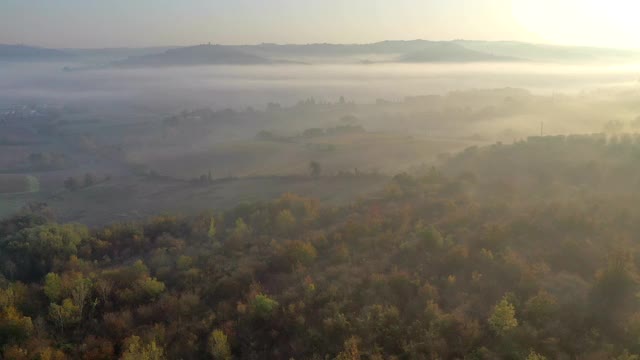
{"points": [[550, 53], [195, 55], [106, 55], [390, 47], [411, 51], [451, 52], [30, 53]]}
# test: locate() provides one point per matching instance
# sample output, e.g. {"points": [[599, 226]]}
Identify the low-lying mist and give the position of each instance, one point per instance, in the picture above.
{"points": [[240, 86]]}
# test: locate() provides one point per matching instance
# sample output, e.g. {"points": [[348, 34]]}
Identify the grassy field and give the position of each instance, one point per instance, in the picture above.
{"points": [[367, 152], [131, 198]]}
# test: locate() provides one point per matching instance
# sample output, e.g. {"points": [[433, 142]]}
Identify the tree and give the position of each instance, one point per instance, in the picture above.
{"points": [[53, 287], [262, 306], [38, 248], [71, 184], [219, 346], [136, 349], [212, 229], [241, 229], [430, 237], [285, 221], [535, 356], [14, 326], [67, 314], [351, 351], [299, 252], [315, 169], [503, 317]]}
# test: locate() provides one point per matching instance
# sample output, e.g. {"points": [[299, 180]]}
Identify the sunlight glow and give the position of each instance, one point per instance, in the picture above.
{"points": [[581, 22]]}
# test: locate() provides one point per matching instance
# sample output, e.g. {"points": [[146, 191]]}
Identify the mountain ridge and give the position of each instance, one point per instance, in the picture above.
{"points": [[388, 51]]}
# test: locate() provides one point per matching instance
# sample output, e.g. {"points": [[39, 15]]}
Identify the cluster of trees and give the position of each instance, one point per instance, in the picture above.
{"points": [[427, 269], [337, 130], [89, 179], [554, 166], [309, 133]]}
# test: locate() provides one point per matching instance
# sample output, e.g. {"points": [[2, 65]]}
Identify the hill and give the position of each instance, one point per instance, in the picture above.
{"points": [[195, 55], [550, 53], [450, 52], [385, 51], [30, 53]]}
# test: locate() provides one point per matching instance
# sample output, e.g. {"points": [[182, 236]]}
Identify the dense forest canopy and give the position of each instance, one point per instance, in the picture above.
{"points": [[502, 252]]}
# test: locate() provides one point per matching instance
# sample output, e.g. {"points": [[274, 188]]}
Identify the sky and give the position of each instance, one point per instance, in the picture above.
{"points": [[137, 23]]}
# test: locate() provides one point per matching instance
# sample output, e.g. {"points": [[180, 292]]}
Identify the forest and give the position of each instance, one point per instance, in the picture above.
{"points": [[526, 250]]}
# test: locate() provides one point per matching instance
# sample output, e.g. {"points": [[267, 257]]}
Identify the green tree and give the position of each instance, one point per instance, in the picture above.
{"points": [[53, 287], [241, 229], [136, 349], [503, 317], [14, 326], [219, 346], [36, 249], [535, 356], [430, 237], [67, 314], [212, 229], [263, 307], [299, 252], [285, 221]]}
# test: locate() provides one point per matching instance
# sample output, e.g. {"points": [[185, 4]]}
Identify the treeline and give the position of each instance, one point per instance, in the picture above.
{"points": [[430, 268]]}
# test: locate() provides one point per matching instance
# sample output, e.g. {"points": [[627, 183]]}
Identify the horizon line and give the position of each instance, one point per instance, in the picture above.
{"points": [[320, 43]]}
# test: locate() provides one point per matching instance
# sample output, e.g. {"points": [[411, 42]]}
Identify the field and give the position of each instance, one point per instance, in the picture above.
{"points": [[132, 199], [367, 152]]}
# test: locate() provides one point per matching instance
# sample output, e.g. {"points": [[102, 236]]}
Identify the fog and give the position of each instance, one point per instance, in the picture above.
{"points": [[240, 86]]}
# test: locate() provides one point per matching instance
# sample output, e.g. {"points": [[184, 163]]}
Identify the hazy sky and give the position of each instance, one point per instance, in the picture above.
{"points": [[109, 23]]}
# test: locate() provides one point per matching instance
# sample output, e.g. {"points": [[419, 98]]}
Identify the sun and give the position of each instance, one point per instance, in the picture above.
{"points": [[613, 23]]}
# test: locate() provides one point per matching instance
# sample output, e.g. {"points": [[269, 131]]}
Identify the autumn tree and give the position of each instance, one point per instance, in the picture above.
{"points": [[219, 347], [136, 349], [503, 317]]}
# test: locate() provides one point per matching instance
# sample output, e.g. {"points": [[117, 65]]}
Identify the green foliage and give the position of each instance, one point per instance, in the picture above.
{"points": [[65, 315], [285, 221], [53, 287], [627, 356], [430, 237], [13, 325], [241, 230], [136, 349], [263, 307], [219, 347], [211, 233], [503, 317], [151, 288], [37, 248], [535, 356], [299, 252]]}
